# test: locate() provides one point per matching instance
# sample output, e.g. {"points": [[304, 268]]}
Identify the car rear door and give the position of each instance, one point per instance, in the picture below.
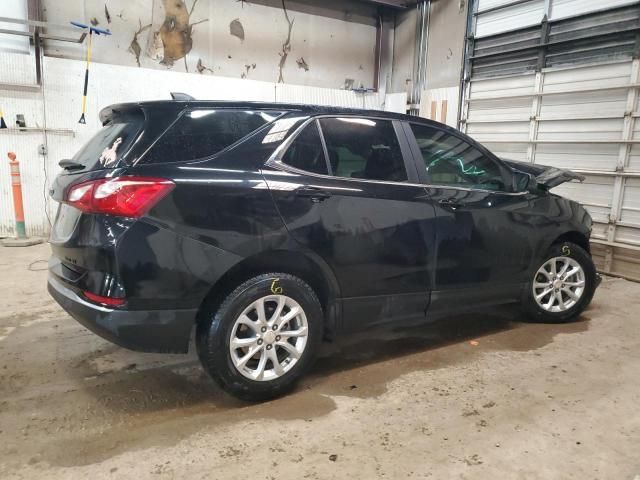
{"points": [[345, 194], [485, 231]]}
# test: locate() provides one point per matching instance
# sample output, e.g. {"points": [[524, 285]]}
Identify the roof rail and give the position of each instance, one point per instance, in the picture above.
{"points": [[181, 96]]}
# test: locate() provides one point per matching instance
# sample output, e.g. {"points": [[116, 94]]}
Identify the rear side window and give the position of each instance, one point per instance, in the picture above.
{"points": [[306, 152], [105, 149], [363, 148], [204, 132]]}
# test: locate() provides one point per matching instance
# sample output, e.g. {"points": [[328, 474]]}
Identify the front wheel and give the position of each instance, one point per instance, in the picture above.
{"points": [[563, 285], [263, 337]]}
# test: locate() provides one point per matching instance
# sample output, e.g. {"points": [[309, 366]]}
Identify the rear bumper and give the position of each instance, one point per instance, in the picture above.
{"points": [[164, 331]]}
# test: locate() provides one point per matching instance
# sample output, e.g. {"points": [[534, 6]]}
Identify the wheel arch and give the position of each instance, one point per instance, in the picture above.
{"points": [[554, 238], [304, 265], [576, 237]]}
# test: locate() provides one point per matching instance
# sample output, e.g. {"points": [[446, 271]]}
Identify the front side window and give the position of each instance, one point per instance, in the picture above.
{"points": [[204, 132], [363, 148], [306, 152], [449, 160]]}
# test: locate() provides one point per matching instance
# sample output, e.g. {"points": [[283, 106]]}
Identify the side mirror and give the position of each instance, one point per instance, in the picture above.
{"points": [[523, 182]]}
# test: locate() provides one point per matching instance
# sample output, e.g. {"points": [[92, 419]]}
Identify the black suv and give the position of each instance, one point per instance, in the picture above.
{"points": [[267, 227]]}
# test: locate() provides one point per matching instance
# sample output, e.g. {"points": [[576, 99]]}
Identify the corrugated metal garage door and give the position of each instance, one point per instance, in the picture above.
{"points": [[547, 89]]}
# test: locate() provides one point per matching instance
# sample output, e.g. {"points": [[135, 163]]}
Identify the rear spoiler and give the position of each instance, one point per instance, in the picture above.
{"points": [[119, 110], [547, 176]]}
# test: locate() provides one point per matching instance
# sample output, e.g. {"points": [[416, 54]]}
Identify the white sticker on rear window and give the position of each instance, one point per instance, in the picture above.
{"points": [[109, 154]]}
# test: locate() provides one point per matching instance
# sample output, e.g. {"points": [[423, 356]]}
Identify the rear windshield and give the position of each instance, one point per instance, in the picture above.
{"points": [[202, 133], [105, 149]]}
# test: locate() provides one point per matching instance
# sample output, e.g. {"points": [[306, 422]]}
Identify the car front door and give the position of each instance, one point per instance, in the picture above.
{"points": [[486, 232], [343, 189]]}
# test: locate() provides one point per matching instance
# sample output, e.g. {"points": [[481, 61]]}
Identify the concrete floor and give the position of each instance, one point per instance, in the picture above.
{"points": [[480, 396]]}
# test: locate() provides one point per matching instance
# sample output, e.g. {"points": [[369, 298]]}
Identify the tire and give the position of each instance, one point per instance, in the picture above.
{"points": [[219, 327], [565, 253]]}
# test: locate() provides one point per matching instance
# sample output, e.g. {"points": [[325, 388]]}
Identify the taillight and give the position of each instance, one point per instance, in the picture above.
{"points": [[120, 196], [108, 301]]}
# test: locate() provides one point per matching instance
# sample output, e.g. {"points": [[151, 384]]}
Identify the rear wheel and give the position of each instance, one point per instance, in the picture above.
{"points": [[562, 286], [263, 337]]}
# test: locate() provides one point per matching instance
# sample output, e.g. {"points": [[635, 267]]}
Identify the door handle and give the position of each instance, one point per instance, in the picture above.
{"points": [[449, 204], [314, 193]]}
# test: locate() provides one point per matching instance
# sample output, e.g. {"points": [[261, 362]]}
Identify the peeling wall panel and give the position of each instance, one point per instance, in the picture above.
{"points": [[335, 38]]}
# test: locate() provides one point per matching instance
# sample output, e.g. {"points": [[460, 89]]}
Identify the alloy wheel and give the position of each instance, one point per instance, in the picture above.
{"points": [[558, 284], [268, 338]]}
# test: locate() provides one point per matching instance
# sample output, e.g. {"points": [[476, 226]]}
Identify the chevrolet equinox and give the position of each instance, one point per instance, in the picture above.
{"points": [[263, 228]]}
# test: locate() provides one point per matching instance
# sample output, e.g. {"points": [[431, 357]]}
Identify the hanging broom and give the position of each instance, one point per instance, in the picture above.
{"points": [[92, 30]]}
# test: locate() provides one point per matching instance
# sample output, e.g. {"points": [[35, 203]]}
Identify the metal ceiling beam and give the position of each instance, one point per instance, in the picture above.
{"points": [[392, 3]]}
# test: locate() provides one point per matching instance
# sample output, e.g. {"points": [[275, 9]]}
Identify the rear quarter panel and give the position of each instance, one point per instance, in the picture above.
{"points": [[214, 218]]}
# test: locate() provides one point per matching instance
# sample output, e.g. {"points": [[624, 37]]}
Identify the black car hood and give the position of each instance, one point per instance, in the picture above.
{"points": [[548, 176]]}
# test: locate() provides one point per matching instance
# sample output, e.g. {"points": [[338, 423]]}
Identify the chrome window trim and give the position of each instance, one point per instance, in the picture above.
{"points": [[275, 161]]}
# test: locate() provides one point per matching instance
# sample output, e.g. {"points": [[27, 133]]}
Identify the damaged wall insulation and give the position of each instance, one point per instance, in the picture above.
{"points": [[285, 41]]}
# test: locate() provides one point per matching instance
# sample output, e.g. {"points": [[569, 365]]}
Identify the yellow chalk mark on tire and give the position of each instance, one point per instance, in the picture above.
{"points": [[275, 288]]}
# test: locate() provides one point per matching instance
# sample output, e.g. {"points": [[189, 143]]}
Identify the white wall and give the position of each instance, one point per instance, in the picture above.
{"points": [[61, 104], [441, 105]]}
